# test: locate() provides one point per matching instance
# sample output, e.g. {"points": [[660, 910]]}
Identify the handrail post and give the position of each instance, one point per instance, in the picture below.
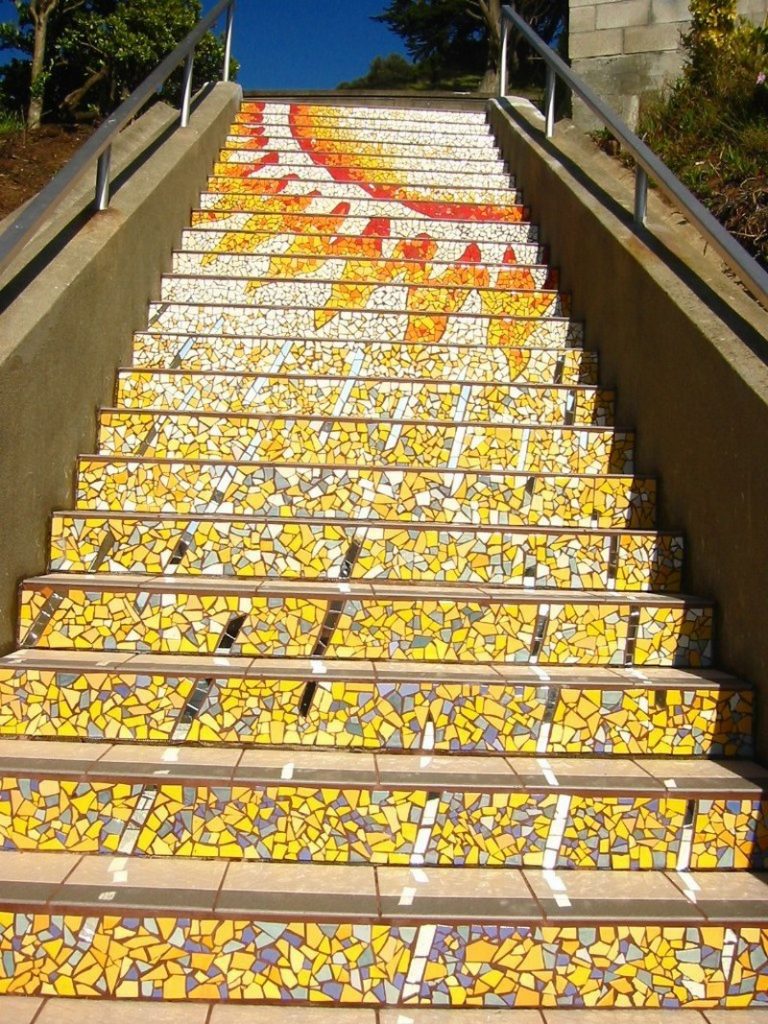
{"points": [[549, 102], [641, 195], [503, 60], [228, 42], [186, 89], [102, 179]]}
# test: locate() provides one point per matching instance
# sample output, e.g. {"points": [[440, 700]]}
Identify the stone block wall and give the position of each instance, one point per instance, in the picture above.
{"points": [[627, 48]]}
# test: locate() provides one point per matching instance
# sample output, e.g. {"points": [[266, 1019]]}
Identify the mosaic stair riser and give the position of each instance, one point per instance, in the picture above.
{"points": [[491, 447], [636, 562], [360, 325], [156, 955], [341, 190], [333, 156], [380, 173], [320, 203], [317, 238], [348, 396], [375, 494], [343, 152], [365, 359], [274, 112], [485, 718], [118, 614], [364, 270], [418, 227], [328, 297], [384, 825], [446, 135]]}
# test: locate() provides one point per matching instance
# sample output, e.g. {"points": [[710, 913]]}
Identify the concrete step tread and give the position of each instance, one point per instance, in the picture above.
{"points": [[652, 777], [357, 590], [358, 892], [52, 1010], [384, 673]]}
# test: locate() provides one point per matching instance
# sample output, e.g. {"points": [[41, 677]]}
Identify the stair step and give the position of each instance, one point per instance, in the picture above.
{"points": [[364, 270], [386, 809], [432, 708], [337, 114], [379, 207], [322, 148], [335, 156], [365, 359], [87, 541], [275, 111], [364, 134], [506, 196], [362, 937], [353, 619], [23, 1010], [373, 493], [359, 324], [385, 398], [415, 225], [378, 173], [330, 296], [309, 440], [326, 237]]}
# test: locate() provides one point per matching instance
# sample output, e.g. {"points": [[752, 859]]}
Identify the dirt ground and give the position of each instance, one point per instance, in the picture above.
{"points": [[28, 160]]}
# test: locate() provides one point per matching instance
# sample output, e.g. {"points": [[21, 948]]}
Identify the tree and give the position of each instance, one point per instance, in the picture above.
{"points": [[391, 72], [92, 53], [455, 37]]}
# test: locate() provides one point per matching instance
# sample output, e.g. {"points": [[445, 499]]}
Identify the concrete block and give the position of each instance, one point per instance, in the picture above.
{"points": [[595, 44], [623, 13], [582, 19], [650, 38], [665, 11]]}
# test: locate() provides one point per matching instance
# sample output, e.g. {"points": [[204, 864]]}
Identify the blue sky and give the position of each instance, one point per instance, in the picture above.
{"points": [[302, 44], [308, 44]]}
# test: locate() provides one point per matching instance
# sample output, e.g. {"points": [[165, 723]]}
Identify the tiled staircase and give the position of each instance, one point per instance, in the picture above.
{"points": [[361, 674]]}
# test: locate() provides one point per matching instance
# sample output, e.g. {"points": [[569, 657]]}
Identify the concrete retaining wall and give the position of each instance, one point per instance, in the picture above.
{"points": [[88, 281], [687, 351], [627, 48]]}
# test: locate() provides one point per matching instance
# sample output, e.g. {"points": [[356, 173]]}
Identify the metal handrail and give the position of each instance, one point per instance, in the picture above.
{"points": [[648, 165], [99, 145]]}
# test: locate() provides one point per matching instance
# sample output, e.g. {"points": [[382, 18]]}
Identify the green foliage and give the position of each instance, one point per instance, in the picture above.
{"points": [[711, 128], [98, 51], [392, 72]]}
